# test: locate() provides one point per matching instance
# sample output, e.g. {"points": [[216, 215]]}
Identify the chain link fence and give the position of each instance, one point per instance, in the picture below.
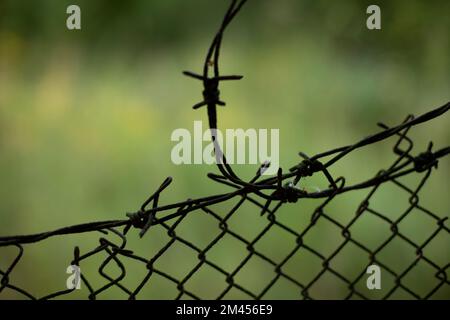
{"points": [[239, 257]]}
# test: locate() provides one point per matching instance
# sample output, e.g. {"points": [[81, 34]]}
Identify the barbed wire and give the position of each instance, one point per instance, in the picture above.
{"points": [[267, 196]]}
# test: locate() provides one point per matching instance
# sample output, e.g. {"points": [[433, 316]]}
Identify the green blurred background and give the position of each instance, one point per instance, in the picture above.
{"points": [[86, 118]]}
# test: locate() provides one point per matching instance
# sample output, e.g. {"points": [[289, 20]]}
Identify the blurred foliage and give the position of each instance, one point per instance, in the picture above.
{"points": [[136, 25], [86, 116]]}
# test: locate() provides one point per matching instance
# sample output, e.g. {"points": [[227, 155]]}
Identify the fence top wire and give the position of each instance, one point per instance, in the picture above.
{"points": [[268, 195]]}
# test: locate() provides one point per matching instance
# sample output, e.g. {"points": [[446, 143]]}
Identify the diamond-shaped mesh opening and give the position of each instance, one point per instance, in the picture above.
{"points": [[281, 289], [397, 254], [350, 260], [303, 265], [276, 244], [328, 286], [204, 281], [324, 237], [178, 260], [421, 278], [228, 252], [370, 230], [255, 274]]}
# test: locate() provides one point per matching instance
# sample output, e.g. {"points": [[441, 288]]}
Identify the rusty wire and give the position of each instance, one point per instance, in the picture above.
{"points": [[268, 196]]}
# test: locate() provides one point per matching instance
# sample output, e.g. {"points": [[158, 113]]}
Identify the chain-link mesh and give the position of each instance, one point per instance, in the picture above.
{"points": [[325, 252]]}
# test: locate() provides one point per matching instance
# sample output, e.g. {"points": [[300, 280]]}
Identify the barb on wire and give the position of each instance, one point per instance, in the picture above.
{"points": [[267, 196]]}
